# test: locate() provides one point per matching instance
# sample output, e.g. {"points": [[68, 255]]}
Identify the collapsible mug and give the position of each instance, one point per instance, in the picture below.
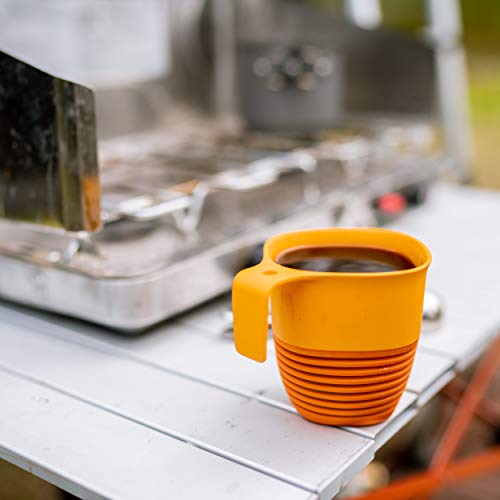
{"points": [[345, 342]]}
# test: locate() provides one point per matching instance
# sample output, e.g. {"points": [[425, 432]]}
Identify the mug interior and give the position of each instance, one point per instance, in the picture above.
{"points": [[384, 239]]}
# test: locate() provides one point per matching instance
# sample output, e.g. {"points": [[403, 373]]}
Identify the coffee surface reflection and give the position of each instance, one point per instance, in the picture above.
{"points": [[344, 259]]}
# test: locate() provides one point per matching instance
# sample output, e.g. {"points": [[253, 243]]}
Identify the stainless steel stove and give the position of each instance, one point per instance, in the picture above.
{"points": [[187, 203]]}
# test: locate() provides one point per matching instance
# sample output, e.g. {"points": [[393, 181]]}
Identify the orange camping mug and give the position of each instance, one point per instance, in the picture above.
{"points": [[345, 342]]}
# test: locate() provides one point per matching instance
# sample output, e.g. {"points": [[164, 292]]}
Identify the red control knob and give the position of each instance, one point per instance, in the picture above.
{"points": [[391, 203]]}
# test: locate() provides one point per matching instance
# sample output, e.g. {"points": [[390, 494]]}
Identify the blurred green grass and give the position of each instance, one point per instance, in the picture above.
{"points": [[484, 96]]}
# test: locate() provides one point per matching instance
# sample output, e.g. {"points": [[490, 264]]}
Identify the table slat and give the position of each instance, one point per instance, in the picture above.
{"points": [[95, 454], [243, 430]]}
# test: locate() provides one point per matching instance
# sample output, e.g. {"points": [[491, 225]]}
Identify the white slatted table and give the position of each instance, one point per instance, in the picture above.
{"points": [[177, 413]]}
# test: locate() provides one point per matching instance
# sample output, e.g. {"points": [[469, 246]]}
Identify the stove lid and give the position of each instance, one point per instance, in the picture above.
{"points": [[48, 149]]}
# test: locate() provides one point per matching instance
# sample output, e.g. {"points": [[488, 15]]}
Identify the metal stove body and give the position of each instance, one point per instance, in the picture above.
{"points": [[274, 116]]}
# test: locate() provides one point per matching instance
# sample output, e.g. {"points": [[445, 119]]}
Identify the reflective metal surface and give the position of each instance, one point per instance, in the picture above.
{"points": [[433, 312], [302, 68], [184, 213], [48, 151]]}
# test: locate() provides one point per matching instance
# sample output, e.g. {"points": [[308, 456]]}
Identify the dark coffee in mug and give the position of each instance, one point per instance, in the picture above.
{"points": [[344, 259]]}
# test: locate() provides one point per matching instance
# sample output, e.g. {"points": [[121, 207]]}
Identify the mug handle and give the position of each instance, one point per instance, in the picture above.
{"points": [[251, 290]]}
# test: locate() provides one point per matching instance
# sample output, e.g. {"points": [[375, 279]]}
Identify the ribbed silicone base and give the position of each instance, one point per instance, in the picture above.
{"points": [[344, 388]]}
